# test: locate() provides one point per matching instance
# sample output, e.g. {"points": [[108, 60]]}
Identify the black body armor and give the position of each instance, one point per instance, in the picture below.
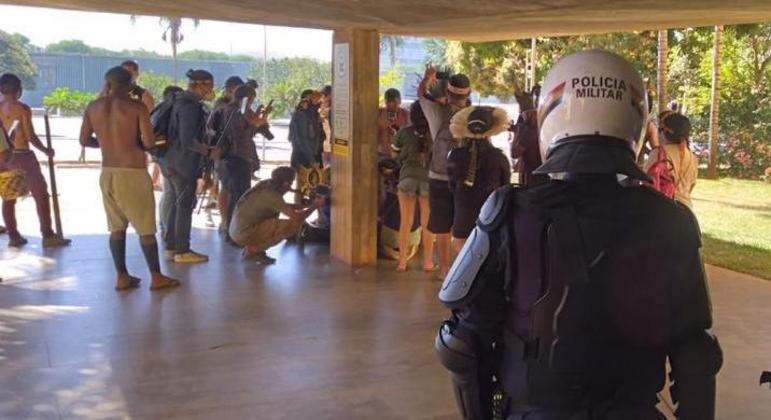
{"points": [[567, 300]]}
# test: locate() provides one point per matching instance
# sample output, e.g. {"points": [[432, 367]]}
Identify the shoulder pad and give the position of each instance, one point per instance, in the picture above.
{"points": [[465, 268], [493, 211]]}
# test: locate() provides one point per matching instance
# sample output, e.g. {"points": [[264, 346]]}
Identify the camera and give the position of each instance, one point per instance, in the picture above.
{"points": [[265, 132]]}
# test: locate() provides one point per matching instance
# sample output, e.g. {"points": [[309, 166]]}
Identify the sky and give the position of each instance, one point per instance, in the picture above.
{"points": [[116, 32]]}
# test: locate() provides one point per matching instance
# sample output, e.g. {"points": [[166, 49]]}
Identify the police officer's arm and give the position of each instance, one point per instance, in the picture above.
{"points": [[474, 290], [694, 353]]}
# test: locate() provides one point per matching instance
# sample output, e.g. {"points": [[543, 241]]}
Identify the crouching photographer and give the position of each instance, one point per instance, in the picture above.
{"points": [[256, 224]]}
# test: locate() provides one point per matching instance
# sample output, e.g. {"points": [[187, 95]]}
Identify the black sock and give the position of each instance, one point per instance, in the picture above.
{"points": [[151, 256], [118, 251]]}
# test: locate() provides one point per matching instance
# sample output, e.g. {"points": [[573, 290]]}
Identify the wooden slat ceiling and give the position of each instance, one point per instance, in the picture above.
{"points": [[471, 20]]}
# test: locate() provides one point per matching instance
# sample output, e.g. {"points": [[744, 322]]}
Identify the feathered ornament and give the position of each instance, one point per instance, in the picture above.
{"points": [[477, 123]]}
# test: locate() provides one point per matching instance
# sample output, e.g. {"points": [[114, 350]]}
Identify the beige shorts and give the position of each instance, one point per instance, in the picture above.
{"points": [[267, 233], [128, 197]]}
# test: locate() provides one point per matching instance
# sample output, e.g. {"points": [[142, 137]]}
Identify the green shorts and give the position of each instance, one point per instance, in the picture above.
{"points": [[413, 186]]}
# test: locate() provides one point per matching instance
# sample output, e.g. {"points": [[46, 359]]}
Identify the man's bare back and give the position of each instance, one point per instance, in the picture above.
{"points": [[118, 123], [14, 111]]}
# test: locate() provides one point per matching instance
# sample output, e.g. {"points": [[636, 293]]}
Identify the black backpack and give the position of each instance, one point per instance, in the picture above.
{"points": [[160, 118]]}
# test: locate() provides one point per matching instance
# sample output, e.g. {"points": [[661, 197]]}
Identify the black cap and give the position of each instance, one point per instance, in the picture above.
{"points": [[233, 81], [592, 155], [676, 127], [199, 75]]}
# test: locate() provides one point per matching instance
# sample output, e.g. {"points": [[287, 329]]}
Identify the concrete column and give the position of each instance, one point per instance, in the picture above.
{"points": [[355, 183]]}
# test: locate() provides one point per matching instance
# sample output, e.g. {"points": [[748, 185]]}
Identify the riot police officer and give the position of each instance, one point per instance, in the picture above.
{"points": [[569, 297]]}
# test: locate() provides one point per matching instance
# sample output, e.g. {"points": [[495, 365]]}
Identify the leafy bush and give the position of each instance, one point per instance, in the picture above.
{"points": [[287, 78], [155, 83], [745, 156], [68, 102]]}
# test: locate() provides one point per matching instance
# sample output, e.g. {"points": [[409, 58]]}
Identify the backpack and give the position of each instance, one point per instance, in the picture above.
{"points": [[662, 176], [160, 119]]}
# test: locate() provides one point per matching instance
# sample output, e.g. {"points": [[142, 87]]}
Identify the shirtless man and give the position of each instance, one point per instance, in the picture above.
{"points": [[17, 118], [127, 192]]}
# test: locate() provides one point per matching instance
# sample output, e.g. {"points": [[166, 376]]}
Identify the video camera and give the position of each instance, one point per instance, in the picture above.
{"points": [[265, 132]]}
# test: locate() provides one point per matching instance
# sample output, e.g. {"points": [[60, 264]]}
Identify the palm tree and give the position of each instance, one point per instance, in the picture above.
{"points": [[715, 105], [661, 79], [392, 43], [172, 34]]}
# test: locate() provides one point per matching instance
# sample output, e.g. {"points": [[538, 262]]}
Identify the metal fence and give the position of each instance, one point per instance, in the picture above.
{"points": [[86, 72]]}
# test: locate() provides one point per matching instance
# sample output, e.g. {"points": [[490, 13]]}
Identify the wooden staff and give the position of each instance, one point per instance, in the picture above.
{"points": [[52, 174]]}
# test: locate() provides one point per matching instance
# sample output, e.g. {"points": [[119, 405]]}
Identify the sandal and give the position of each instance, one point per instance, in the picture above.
{"points": [[168, 284], [133, 283]]}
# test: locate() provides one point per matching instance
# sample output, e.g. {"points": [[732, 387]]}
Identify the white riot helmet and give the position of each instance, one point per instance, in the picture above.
{"points": [[592, 98]]}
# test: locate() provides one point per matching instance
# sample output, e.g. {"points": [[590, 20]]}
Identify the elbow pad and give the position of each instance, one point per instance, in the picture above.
{"points": [[464, 275], [695, 363]]}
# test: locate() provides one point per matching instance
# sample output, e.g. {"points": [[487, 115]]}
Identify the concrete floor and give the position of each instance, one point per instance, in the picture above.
{"points": [[307, 338]]}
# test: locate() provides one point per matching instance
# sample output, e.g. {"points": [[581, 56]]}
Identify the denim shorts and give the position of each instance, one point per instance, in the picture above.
{"points": [[413, 186]]}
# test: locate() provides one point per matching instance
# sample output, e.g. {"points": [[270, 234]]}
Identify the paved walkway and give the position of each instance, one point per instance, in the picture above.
{"points": [[307, 338]]}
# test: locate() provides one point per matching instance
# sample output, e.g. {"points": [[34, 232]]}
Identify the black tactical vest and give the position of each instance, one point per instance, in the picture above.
{"points": [[597, 286]]}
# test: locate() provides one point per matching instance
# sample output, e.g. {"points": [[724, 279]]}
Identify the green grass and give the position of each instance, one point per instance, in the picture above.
{"points": [[735, 220]]}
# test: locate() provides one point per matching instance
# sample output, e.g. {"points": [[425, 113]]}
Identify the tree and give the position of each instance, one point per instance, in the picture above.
{"points": [[213, 56], [661, 69], [496, 67], [436, 52], [155, 83], [74, 46], [391, 43], [172, 34], [14, 58], [288, 77], [714, 122]]}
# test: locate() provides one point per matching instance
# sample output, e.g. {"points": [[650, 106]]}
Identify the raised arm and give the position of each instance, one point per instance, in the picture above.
{"points": [[429, 77]]}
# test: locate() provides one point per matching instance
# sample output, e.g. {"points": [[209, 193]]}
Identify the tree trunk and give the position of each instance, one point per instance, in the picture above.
{"points": [[174, 24], [392, 50], [661, 76], [714, 112]]}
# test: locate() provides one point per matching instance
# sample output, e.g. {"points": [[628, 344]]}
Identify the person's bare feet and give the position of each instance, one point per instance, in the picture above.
{"points": [[127, 282], [159, 282], [430, 267], [401, 267]]}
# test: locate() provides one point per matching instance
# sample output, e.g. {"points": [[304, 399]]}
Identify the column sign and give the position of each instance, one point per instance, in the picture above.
{"points": [[341, 100]]}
